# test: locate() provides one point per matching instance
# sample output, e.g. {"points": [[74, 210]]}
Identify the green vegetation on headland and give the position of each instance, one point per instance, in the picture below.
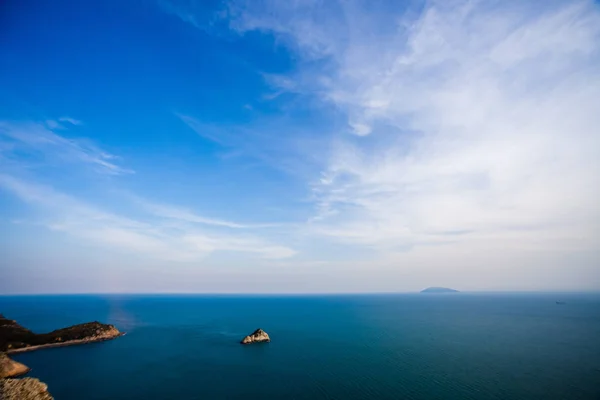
{"points": [[15, 339]]}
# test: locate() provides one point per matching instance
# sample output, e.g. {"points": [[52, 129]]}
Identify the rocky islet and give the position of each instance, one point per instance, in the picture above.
{"points": [[258, 336]]}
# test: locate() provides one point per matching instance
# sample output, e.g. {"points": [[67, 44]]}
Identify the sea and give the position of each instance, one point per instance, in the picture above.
{"points": [[385, 346]]}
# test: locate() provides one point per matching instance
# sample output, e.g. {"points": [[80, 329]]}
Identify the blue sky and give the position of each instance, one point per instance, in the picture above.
{"points": [[306, 146]]}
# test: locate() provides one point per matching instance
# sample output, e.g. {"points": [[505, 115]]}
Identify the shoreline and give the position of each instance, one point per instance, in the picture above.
{"points": [[16, 372], [62, 344]]}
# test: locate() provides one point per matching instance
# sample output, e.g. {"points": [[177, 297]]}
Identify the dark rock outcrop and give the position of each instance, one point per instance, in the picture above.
{"points": [[439, 290], [257, 336], [24, 389], [14, 338], [10, 368]]}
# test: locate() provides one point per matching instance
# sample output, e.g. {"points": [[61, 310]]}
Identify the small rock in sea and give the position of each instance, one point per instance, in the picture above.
{"points": [[256, 337]]}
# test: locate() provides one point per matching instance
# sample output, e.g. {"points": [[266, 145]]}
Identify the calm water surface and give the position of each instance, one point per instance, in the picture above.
{"points": [[409, 346]]}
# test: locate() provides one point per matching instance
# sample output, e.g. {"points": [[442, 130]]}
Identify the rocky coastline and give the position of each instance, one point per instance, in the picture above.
{"points": [[10, 368], [14, 338], [24, 389]]}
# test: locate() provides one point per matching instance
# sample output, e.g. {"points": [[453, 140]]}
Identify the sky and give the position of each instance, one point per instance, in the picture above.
{"points": [[306, 146]]}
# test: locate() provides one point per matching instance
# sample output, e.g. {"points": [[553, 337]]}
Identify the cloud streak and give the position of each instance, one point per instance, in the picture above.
{"points": [[43, 142], [186, 215]]}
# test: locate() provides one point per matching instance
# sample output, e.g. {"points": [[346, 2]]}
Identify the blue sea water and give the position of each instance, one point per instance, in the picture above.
{"points": [[405, 346]]}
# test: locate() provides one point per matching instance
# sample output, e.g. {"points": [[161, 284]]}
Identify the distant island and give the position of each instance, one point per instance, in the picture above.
{"points": [[15, 339], [439, 290]]}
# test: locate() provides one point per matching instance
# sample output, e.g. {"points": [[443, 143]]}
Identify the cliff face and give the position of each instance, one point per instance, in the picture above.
{"points": [[24, 389], [15, 338], [10, 368], [256, 337]]}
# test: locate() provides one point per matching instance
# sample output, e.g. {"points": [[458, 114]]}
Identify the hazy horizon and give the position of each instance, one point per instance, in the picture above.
{"points": [[301, 294], [270, 147]]}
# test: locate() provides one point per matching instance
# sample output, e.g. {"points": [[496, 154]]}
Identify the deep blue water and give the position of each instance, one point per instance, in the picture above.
{"points": [[409, 346]]}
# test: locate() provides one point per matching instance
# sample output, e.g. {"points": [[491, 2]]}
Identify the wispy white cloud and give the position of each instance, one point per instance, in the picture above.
{"points": [[275, 143], [147, 237], [42, 141], [205, 243], [186, 15], [308, 25], [206, 131], [163, 231], [186, 215], [471, 117], [52, 124], [70, 120], [56, 124]]}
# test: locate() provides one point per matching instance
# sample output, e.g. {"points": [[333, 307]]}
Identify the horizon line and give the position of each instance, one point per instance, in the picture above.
{"points": [[564, 291]]}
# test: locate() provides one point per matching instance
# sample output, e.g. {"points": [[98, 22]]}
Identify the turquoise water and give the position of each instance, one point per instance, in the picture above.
{"points": [[409, 346]]}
